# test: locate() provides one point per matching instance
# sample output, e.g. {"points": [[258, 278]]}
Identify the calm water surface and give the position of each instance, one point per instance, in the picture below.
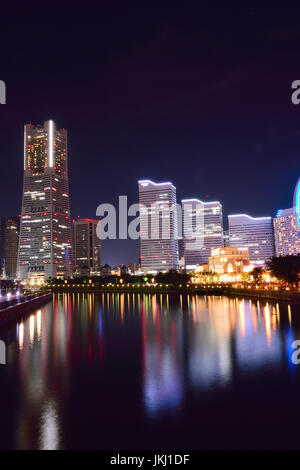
{"points": [[117, 371]]}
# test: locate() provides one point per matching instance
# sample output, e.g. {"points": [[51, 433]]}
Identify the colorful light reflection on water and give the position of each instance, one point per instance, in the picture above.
{"points": [[151, 371]]}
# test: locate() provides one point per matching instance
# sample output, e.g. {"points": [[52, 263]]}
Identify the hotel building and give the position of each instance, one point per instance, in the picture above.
{"points": [[87, 247], [286, 233], [203, 220], [158, 226], [256, 233], [229, 260], [45, 249]]}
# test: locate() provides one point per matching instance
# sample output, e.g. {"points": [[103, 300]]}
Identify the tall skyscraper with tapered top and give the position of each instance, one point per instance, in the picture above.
{"points": [[158, 227], [45, 249]]}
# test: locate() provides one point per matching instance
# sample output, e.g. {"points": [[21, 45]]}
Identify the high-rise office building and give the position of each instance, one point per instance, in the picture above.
{"points": [[205, 221], [45, 249], [87, 247], [10, 249], [286, 233], [193, 231], [213, 228], [158, 226], [256, 233], [9, 240]]}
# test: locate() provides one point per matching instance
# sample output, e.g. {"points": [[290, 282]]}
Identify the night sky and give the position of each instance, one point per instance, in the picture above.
{"points": [[198, 97]]}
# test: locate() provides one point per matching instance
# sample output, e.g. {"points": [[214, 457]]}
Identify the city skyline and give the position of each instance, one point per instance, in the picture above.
{"points": [[205, 201], [34, 158], [149, 230], [38, 160], [181, 94]]}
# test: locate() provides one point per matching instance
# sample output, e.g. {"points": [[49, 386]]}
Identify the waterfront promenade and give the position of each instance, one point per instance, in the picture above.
{"points": [[262, 292], [18, 306]]}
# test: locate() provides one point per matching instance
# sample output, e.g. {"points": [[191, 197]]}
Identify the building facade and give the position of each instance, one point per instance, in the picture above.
{"points": [[256, 233], [286, 233], [134, 268], [204, 221], [229, 260], [158, 226], [45, 249], [10, 249], [86, 247], [9, 241], [193, 231], [106, 270]]}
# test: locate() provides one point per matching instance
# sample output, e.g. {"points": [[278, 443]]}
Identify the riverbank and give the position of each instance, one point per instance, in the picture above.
{"points": [[15, 312], [265, 294]]}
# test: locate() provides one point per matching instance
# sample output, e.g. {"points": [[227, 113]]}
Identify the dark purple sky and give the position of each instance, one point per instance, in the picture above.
{"points": [[198, 97]]}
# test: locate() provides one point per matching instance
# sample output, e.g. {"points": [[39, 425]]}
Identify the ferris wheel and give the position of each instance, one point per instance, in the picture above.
{"points": [[297, 201]]}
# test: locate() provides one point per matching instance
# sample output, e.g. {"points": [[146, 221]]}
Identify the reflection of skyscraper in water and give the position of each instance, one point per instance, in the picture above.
{"points": [[162, 358], [230, 334], [34, 341], [256, 340], [209, 361]]}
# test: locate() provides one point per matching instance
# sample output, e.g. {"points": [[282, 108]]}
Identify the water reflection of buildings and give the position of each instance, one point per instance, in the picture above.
{"points": [[209, 359], [233, 335], [257, 339], [162, 354], [189, 344], [203, 344], [42, 340]]}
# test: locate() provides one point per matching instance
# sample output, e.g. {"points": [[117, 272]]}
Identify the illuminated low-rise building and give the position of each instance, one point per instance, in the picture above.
{"points": [[230, 260], [286, 233]]}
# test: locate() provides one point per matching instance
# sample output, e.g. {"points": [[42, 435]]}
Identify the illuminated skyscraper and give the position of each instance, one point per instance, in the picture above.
{"points": [[158, 227], [193, 231], [254, 232], [45, 248], [87, 247], [286, 233], [213, 228], [205, 221], [11, 241]]}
